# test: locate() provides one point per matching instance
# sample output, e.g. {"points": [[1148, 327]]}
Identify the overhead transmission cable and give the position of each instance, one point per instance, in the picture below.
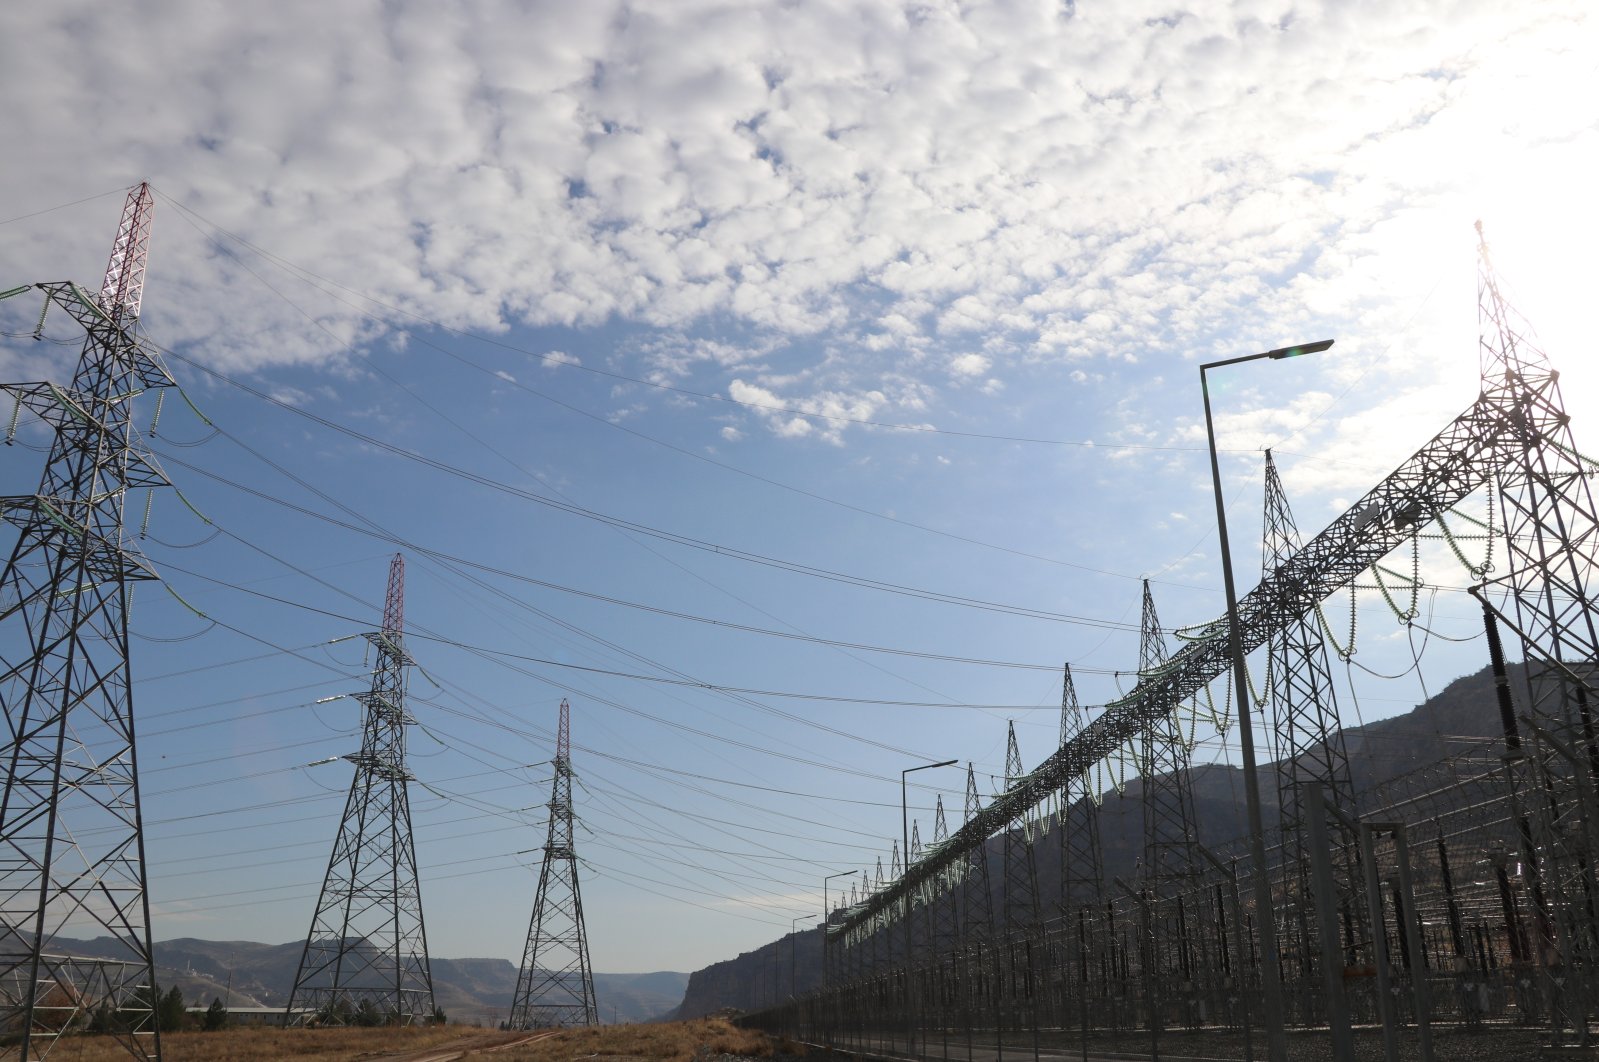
{"points": [[675, 724], [688, 541], [518, 467], [663, 680], [503, 573], [740, 697]]}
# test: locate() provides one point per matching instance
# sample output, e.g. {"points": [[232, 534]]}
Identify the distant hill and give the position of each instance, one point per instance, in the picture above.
{"points": [[755, 979], [1378, 752], [470, 990]]}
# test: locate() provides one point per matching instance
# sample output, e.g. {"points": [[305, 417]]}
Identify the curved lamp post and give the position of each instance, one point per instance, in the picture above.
{"points": [[1271, 974], [904, 815]]}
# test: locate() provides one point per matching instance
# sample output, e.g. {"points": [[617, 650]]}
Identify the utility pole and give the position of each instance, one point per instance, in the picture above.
{"points": [[72, 860], [366, 956], [556, 986]]}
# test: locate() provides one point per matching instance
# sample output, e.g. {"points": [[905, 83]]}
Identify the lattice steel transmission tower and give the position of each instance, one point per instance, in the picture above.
{"points": [[977, 899], [1082, 880], [1307, 746], [1308, 739], [1168, 790], [556, 984], [366, 956], [1171, 858], [1021, 906], [942, 912], [72, 857], [1551, 531]]}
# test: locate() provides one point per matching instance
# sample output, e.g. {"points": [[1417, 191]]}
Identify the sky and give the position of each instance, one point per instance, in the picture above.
{"points": [[697, 353]]}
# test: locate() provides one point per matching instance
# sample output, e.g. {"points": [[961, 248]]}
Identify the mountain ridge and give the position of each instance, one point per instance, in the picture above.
{"points": [[247, 973]]}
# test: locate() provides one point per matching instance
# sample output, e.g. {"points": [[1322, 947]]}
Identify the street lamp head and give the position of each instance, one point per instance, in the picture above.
{"points": [[1295, 351]]}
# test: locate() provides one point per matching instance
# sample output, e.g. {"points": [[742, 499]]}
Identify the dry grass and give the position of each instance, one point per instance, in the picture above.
{"points": [[267, 1045], [674, 1042], [678, 1041]]}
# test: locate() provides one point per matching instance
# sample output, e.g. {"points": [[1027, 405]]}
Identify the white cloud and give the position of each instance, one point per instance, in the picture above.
{"points": [[792, 427], [834, 410], [969, 365], [507, 377], [554, 359], [293, 396], [1095, 185]]}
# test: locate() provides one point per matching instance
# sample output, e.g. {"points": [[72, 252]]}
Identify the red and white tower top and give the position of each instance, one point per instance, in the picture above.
{"points": [[563, 736], [394, 602], [123, 289]]}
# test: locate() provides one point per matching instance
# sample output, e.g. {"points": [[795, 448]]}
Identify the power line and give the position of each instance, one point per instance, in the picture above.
{"points": [[75, 202], [612, 673], [793, 567], [659, 610], [756, 704]]}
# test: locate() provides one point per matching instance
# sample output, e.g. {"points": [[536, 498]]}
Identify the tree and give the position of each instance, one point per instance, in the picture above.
{"points": [[438, 1016], [336, 1011], [103, 1019], [139, 1012], [171, 1012], [216, 1016]]}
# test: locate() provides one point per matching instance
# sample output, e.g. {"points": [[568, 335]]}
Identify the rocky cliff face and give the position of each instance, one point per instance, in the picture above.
{"points": [[756, 979]]}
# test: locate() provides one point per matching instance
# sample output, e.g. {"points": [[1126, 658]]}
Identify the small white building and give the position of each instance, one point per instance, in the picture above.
{"points": [[255, 1015]]}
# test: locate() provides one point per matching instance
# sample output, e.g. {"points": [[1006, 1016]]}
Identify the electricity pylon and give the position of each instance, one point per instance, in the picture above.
{"points": [[1551, 534], [71, 836], [1169, 832], [1082, 886], [366, 956], [555, 985], [1082, 877], [1020, 909], [1308, 746]]}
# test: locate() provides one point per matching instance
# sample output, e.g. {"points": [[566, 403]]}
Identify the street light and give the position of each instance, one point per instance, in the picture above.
{"points": [[827, 912], [905, 865], [1271, 976], [793, 951], [904, 814]]}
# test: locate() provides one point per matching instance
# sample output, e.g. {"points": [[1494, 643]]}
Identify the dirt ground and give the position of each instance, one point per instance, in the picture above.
{"points": [[693, 1041], [715, 1040]]}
